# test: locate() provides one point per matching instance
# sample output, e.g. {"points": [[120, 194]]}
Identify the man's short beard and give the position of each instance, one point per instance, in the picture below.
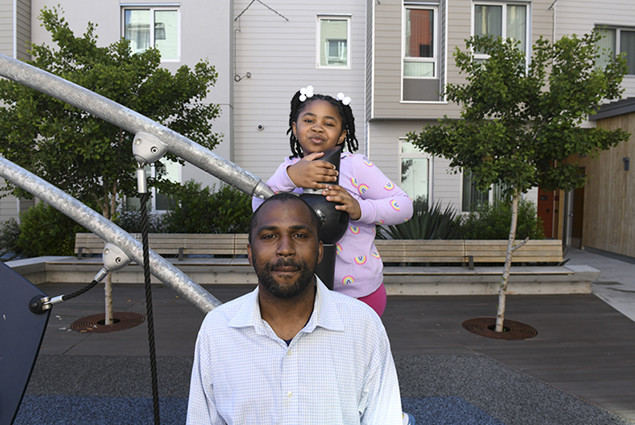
{"points": [[265, 277]]}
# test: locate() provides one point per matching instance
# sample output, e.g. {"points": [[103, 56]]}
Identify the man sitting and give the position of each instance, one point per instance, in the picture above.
{"points": [[291, 351]]}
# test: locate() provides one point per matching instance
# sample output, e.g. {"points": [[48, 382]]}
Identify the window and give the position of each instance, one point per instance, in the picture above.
{"points": [[415, 171], [420, 49], [152, 27], [617, 40], [158, 201], [502, 20], [419, 43], [474, 198], [333, 46]]}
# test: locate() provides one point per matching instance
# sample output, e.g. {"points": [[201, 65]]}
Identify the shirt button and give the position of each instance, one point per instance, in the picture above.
{"points": [[289, 394]]}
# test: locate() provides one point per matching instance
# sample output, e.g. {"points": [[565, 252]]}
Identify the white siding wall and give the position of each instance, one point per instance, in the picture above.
{"points": [[445, 185], [281, 57], [6, 27], [8, 207]]}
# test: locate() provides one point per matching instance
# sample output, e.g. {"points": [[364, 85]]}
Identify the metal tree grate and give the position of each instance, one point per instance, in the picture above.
{"points": [[96, 322], [512, 330]]}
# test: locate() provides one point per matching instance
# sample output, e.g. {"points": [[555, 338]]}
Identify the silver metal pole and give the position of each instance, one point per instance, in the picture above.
{"points": [[110, 232], [133, 122]]}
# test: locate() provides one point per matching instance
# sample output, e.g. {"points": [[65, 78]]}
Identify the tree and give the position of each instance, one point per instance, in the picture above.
{"points": [[87, 157], [521, 121]]}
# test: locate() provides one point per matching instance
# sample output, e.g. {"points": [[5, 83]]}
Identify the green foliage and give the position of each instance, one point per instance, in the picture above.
{"points": [[521, 121], [83, 155], [131, 222], [9, 233], [46, 231], [492, 222], [427, 222], [205, 210]]}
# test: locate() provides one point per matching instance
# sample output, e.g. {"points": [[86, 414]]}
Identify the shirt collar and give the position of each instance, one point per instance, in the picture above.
{"points": [[325, 312]]}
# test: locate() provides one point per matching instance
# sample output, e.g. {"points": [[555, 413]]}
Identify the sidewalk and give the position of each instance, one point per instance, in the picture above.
{"points": [[579, 369], [616, 283]]}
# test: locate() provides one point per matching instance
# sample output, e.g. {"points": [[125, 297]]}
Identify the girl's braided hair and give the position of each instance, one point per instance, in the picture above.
{"points": [[345, 112]]}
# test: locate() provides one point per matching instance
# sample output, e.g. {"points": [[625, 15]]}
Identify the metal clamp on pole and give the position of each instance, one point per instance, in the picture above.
{"points": [[142, 181], [147, 149], [113, 258]]}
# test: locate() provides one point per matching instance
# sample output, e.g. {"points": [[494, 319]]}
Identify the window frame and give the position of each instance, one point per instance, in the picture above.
{"points": [[130, 202], [318, 40], [417, 154], [504, 5], [617, 40], [435, 40], [152, 8]]}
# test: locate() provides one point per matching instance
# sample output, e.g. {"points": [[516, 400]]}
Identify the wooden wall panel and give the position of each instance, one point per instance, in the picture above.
{"points": [[609, 204]]}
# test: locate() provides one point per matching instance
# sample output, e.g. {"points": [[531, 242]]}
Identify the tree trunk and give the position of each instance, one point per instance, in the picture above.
{"points": [[108, 313], [109, 318], [502, 291]]}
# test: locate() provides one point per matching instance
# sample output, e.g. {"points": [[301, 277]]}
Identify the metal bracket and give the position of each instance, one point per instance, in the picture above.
{"points": [[114, 258], [147, 149]]}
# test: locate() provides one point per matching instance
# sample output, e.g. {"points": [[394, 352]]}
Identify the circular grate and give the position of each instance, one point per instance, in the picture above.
{"points": [[485, 326], [95, 323]]}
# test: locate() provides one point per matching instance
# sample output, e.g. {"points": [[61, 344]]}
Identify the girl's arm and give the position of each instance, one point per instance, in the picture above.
{"points": [[306, 172], [382, 201], [309, 172]]}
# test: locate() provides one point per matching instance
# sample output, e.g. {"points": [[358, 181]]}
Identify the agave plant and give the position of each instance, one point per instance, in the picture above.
{"points": [[427, 222]]}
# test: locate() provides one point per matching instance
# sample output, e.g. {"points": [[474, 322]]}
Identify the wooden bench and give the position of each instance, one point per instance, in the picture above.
{"points": [[174, 244], [397, 252], [466, 252]]}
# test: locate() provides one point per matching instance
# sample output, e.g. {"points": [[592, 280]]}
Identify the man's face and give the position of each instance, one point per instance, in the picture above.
{"points": [[284, 248]]}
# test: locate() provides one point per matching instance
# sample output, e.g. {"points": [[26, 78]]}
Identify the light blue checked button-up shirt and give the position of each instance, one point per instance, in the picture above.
{"points": [[337, 370]]}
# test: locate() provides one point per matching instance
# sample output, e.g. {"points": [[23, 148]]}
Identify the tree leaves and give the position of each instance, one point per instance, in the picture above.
{"points": [[85, 156], [521, 121]]}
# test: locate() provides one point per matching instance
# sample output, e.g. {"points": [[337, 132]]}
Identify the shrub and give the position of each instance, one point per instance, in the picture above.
{"points": [[9, 233], [130, 221], [493, 221], [46, 231], [427, 222], [205, 210]]}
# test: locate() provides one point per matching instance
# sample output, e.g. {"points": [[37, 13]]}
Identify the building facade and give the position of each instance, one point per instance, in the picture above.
{"points": [[392, 57]]}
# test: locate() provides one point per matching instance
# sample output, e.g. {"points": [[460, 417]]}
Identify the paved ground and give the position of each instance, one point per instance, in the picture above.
{"points": [[579, 369], [616, 284]]}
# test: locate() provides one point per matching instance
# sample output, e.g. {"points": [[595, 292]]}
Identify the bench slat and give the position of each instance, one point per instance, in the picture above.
{"points": [[391, 251]]}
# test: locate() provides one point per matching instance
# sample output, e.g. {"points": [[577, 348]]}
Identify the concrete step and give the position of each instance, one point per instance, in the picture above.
{"points": [[524, 280]]}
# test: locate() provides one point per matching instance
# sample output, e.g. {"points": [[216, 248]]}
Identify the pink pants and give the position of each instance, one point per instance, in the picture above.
{"points": [[376, 300]]}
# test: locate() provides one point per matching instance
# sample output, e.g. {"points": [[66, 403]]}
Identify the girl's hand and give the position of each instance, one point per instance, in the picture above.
{"points": [[312, 174], [345, 201]]}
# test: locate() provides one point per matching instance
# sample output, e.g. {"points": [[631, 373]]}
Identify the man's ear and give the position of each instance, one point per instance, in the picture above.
{"points": [[249, 254], [320, 251]]}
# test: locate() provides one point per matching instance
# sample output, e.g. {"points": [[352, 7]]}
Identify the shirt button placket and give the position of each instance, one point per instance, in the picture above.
{"points": [[290, 387]]}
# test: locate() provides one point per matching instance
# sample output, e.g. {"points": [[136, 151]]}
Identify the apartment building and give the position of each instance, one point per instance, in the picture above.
{"points": [[601, 214], [392, 57], [15, 32]]}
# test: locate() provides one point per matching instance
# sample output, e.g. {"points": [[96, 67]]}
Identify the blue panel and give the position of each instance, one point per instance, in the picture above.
{"points": [[21, 333]]}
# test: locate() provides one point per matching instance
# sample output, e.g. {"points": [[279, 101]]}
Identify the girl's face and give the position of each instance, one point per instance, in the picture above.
{"points": [[318, 127]]}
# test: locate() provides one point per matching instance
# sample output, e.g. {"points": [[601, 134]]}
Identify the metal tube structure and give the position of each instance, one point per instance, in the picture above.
{"points": [[110, 232], [132, 122]]}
